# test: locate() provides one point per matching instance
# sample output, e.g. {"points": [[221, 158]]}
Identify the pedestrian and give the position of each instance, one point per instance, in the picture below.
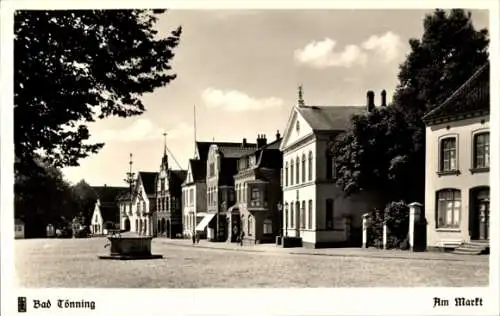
{"points": [[197, 237], [241, 238], [193, 237]]}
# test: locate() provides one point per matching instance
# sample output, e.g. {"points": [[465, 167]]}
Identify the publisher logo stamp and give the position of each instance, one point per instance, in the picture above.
{"points": [[21, 304]]}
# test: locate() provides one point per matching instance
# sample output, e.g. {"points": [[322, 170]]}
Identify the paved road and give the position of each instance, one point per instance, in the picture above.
{"points": [[74, 263]]}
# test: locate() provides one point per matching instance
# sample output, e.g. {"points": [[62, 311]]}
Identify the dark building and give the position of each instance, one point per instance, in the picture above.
{"points": [[256, 212]]}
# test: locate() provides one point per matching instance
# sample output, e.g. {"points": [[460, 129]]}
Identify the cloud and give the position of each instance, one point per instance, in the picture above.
{"points": [[142, 130], [236, 101], [322, 54]]}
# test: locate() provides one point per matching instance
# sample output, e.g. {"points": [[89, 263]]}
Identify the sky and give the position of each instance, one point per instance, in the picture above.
{"points": [[242, 68]]}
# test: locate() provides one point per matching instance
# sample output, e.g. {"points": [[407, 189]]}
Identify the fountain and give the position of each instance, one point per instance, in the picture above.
{"points": [[130, 246]]}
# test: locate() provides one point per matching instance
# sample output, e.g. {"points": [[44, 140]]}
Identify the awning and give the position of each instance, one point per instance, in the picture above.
{"points": [[204, 222]]}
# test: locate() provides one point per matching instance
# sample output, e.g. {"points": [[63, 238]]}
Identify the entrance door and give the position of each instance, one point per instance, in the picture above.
{"points": [[127, 225], [482, 213]]}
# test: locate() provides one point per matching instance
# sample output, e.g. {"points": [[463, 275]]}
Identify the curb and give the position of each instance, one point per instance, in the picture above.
{"points": [[375, 256]]}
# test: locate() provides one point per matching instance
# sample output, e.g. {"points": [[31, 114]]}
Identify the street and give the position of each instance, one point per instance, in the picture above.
{"points": [[74, 263]]}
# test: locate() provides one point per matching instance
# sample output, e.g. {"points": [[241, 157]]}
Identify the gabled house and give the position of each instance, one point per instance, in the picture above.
{"points": [[143, 204], [316, 211], [457, 185], [106, 215], [258, 194], [125, 208], [194, 192], [168, 200], [221, 164]]}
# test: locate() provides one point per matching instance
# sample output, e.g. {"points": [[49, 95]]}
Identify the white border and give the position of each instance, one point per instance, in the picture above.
{"points": [[344, 301]]}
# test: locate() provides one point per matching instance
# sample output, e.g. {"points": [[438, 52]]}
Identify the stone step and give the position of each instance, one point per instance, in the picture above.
{"points": [[473, 246], [465, 251]]}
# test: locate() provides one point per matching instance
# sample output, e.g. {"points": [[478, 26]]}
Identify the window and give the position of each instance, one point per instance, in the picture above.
{"points": [[286, 215], [268, 226], [286, 174], [449, 205], [212, 169], [250, 225], [162, 185], [291, 215], [297, 165], [309, 215], [310, 165], [303, 215], [144, 207], [255, 194], [448, 154], [168, 204], [329, 214], [297, 126], [482, 150], [291, 172], [330, 166], [303, 168], [191, 194]]}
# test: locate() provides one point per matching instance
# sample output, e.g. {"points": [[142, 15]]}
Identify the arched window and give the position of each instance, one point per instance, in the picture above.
{"points": [[286, 174], [303, 168], [310, 165], [297, 165], [449, 206], [291, 215], [303, 215], [291, 172]]}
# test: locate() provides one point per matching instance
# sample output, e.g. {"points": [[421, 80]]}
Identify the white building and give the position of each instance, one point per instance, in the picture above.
{"points": [[106, 214], [194, 194], [457, 182], [315, 209]]}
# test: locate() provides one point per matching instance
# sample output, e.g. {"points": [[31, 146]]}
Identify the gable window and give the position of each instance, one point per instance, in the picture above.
{"points": [[303, 215], [482, 150], [286, 174], [303, 168], [212, 169], [448, 154], [297, 165], [297, 126], [449, 205], [291, 172], [162, 185], [329, 214], [310, 165]]}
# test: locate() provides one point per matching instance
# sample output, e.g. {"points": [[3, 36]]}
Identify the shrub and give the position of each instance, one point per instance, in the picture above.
{"points": [[396, 217]]}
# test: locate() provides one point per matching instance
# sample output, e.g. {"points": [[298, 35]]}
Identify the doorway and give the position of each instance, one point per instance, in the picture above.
{"points": [[127, 225], [480, 211]]}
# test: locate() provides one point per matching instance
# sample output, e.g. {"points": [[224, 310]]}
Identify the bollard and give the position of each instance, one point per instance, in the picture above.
{"points": [[365, 229]]}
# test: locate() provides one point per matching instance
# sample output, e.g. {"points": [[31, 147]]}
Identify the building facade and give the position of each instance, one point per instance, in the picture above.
{"points": [[457, 194], [221, 167], [315, 208], [194, 192], [168, 200], [106, 214], [143, 205], [257, 211]]}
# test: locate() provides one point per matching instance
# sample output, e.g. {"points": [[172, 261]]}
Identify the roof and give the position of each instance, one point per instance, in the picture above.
{"points": [[110, 212], [236, 151], [471, 97], [149, 181], [177, 177], [327, 118], [204, 147], [198, 169], [107, 194]]}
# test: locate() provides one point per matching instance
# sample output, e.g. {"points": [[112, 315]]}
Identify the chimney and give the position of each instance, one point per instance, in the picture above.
{"points": [[370, 104], [278, 136], [261, 140], [383, 96], [244, 143]]}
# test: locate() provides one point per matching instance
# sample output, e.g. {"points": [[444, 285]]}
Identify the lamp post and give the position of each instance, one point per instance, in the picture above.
{"points": [[280, 210]]}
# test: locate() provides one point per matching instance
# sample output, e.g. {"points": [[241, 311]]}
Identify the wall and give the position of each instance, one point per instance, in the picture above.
{"points": [[464, 181]]}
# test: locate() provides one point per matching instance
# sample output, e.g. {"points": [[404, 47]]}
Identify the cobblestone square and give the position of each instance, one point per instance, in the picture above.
{"points": [[73, 263]]}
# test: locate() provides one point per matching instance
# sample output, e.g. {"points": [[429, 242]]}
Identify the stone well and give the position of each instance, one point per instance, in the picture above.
{"points": [[130, 246]]}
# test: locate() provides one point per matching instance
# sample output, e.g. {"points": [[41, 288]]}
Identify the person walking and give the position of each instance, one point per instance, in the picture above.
{"points": [[241, 238], [193, 237]]}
